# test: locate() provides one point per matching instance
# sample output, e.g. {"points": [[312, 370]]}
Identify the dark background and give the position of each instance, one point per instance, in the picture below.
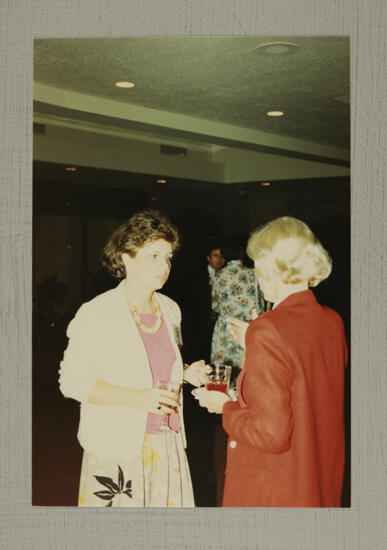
{"points": [[74, 215]]}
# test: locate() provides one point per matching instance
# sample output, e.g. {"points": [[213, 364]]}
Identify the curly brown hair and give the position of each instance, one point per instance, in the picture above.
{"points": [[141, 229]]}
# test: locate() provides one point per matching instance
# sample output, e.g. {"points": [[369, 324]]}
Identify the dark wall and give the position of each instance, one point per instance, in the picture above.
{"points": [[73, 220]]}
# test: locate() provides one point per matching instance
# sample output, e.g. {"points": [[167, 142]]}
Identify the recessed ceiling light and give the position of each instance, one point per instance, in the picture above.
{"points": [[70, 169], [275, 113], [161, 181], [125, 84], [277, 48], [265, 183]]}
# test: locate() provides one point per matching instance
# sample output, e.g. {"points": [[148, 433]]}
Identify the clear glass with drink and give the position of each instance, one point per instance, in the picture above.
{"points": [[219, 378], [174, 387]]}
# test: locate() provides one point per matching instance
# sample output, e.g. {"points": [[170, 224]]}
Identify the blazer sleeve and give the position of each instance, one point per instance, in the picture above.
{"points": [[177, 313], [78, 370], [265, 423], [171, 308]]}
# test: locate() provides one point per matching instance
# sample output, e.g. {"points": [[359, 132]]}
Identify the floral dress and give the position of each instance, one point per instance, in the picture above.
{"points": [[235, 292]]}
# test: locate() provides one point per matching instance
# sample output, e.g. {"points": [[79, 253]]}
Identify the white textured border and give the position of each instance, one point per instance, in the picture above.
{"points": [[364, 525]]}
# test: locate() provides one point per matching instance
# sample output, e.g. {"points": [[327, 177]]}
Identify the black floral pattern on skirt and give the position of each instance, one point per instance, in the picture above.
{"points": [[112, 488]]}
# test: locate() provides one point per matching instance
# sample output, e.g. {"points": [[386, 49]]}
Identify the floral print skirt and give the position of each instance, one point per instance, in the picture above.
{"points": [[161, 479]]}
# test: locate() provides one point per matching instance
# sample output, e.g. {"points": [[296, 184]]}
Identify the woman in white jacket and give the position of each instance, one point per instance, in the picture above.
{"points": [[122, 344]]}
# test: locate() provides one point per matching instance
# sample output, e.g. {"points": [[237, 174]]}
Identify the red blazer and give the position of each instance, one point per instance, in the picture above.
{"points": [[286, 432]]}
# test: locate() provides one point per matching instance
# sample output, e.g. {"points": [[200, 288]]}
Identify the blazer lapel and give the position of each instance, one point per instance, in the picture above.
{"points": [[138, 357], [176, 373]]}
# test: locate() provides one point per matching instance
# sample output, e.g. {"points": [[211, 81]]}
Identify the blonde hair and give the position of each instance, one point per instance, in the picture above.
{"points": [[287, 248]]}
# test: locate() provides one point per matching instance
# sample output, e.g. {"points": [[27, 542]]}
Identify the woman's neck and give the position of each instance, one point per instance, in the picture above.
{"points": [[285, 290], [140, 297]]}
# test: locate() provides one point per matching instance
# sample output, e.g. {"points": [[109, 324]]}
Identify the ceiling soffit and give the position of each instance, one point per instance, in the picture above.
{"points": [[224, 80]]}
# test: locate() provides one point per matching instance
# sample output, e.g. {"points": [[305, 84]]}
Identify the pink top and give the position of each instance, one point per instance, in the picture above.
{"points": [[161, 355]]}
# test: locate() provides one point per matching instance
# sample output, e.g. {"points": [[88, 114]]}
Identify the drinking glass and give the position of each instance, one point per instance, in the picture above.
{"points": [[174, 387], [219, 378]]}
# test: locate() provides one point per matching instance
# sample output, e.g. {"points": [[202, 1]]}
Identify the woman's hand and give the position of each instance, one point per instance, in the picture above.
{"points": [[211, 400], [238, 328], [196, 373], [157, 401]]}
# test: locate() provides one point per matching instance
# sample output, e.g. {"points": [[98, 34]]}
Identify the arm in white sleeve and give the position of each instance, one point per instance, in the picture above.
{"points": [[78, 369]]}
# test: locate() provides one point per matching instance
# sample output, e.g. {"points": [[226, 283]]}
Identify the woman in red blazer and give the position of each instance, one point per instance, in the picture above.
{"points": [[286, 431]]}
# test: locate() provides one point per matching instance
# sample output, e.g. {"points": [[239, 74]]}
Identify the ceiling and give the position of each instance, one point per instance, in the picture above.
{"points": [[227, 80]]}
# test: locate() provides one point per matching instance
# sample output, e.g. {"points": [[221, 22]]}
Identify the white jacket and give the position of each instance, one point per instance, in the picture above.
{"points": [[104, 344]]}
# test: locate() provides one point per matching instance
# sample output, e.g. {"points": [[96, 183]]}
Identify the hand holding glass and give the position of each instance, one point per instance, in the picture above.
{"points": [[175, 388]]}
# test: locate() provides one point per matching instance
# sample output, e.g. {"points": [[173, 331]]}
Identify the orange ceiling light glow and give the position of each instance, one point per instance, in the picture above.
{"points": [[265, 183], [275, 113], [161, 181], [125, 84], [70, 169]]}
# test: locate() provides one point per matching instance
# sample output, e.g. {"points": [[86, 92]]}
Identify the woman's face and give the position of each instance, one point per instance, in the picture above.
{"points": [[151, 265]]}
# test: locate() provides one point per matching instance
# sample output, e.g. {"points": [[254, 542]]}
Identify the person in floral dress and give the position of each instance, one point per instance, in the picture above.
{"points": [[235, 293]]}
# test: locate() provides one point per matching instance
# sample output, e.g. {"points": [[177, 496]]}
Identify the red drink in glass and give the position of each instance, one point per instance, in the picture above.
{"points": [[219, 378], [215, 385]]}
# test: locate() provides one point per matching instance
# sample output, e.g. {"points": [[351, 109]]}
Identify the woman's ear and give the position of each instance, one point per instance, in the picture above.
{"points": [[127, 261]]}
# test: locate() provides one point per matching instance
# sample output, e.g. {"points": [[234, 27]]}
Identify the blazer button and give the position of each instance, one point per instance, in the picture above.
{"points": [[232, 444]]}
